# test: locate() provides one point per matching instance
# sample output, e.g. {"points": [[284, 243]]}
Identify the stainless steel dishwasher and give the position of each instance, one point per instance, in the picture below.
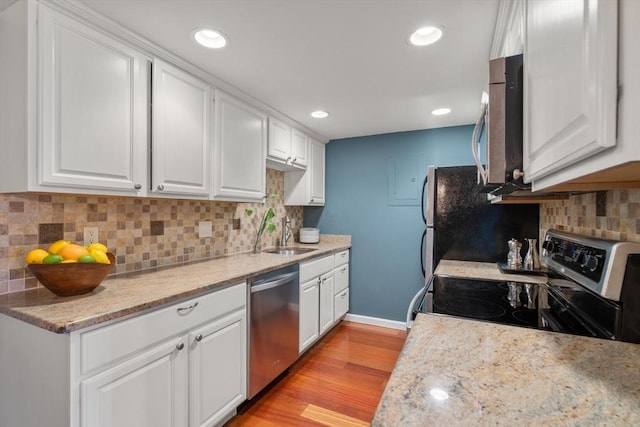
{"points": [[273, 327]]}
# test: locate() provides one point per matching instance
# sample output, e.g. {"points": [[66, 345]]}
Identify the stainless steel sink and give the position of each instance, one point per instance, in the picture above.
{"points": [[290, 251]]}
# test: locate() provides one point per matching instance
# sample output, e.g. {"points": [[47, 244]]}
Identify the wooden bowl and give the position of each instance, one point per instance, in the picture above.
{"points": [[72, 279]]}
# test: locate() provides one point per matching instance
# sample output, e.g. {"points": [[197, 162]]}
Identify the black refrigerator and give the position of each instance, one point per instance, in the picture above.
{"points": [[461, 223]]}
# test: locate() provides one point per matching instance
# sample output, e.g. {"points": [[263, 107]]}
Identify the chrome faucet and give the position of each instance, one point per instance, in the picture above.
{"points": [[286, 231]]}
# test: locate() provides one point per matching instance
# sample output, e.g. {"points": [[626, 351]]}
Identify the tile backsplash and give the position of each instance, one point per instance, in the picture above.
{"points": [[581, 214], [141, 232]]}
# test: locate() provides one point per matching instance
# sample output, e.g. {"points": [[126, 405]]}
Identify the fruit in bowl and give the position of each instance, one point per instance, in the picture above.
{"points": [[68, 269]]}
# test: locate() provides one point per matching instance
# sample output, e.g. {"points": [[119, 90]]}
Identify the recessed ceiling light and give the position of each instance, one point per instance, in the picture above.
{"points": [[319, 114], [425, 36], [212, 39], [441, 111]]}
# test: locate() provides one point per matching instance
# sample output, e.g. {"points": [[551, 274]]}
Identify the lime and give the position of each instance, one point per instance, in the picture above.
{"points": [[52, 259], [86, 258]]}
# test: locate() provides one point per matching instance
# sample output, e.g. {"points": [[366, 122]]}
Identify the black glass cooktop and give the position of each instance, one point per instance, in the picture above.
{"points": [[511, 303]]}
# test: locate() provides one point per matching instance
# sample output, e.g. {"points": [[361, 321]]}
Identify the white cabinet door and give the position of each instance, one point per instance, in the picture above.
{"points": [[309, 313], [326, 302], [570, 82], [149, 390], [93, 115], [181, 132], [239, 156], [279, 145], [341, 304], [306, 188], [316, 186], [217, 369], [299, 148]]}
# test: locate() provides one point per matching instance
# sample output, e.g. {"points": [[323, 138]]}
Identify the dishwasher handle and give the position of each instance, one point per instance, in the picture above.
{"points": [[274, 283]]}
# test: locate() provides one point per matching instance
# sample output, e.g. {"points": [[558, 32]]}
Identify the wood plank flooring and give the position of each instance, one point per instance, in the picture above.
{"points": [[338, 382]]}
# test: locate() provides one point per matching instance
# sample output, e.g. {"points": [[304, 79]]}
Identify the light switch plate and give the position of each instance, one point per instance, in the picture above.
{"points": [[204, 229]]}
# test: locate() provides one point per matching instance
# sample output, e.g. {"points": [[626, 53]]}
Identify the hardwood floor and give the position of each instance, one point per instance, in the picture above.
{"points": [[338, 382]]}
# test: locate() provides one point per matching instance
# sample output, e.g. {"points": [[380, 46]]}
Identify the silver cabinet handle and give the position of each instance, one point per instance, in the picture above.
{"points": [[343, 269], [319, 280], [161, 187], [294, 159], [312, 200], [137, 186], [324, 279], [180, 346], [288, 161], [191, 307], [199, 337], [344, 294], [344, 254]]}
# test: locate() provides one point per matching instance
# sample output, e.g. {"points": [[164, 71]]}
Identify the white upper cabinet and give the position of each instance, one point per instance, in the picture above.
{"points": [[287, 146], [299, 148], [306, 188], [239, 156], [570, 83], [79, 106], [181, 136]]}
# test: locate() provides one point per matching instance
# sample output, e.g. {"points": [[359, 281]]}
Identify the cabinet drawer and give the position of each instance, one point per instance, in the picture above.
{"points": [[315, 268], [341, 257], [341, 304], [101, 346], [341, 277]]}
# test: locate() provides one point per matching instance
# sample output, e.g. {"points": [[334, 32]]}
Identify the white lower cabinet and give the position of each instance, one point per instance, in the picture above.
{"points": [[309, 313], [341, 285], [182, 365], [326, 302], [216, 389], [148, 390], [324, 296]]}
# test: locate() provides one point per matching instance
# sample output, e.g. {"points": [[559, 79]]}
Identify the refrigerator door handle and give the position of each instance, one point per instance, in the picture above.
{"points": [[430, 180], [428, 255]]}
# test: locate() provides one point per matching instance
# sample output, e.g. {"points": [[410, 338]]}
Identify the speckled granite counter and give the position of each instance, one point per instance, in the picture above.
{"points": [[504, 375], [123, 295], [482, 270]]}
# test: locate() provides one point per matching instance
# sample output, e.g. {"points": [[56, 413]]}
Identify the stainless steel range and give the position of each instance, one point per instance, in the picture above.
{"points": [[593, 289]]}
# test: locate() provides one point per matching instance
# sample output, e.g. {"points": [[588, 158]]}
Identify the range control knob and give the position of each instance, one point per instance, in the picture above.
{"points": [[591, 262], [549, 246]]}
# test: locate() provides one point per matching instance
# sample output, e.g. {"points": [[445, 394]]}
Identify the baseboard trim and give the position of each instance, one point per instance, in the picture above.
{"points": [[375, 321]]}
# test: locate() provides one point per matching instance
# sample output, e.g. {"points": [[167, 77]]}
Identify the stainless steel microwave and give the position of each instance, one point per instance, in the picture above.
{"points": [[501, 117]]}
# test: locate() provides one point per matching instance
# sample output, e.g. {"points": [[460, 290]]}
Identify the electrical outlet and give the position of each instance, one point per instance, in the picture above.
{"points": [[90, 235], [204, 229]]}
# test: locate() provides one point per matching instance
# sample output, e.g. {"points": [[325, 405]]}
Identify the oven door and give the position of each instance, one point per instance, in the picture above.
{"points": [[569, 308]]}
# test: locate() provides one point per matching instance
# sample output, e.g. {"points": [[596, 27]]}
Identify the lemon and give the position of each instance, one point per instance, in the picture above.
{"points": [[100, 256], [98, 246], [36, 256], [57, 245], [52, 259]]}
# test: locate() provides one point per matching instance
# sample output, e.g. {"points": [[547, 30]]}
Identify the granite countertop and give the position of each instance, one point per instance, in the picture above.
{"points": [[126, 294], [483, 270], [506, 375]]}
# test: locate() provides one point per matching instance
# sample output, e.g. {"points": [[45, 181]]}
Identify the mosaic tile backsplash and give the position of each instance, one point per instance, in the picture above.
{"points": [[619, 219], [141, 232]]}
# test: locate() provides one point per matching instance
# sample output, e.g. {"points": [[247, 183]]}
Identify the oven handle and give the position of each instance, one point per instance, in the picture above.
{"points": [[593, 329]]}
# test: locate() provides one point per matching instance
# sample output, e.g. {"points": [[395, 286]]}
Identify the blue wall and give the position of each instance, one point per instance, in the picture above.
{"points": [[385, 254]]}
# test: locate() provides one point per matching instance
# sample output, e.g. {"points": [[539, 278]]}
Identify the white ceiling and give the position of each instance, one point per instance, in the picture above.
{"points": [[348, 57]]}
